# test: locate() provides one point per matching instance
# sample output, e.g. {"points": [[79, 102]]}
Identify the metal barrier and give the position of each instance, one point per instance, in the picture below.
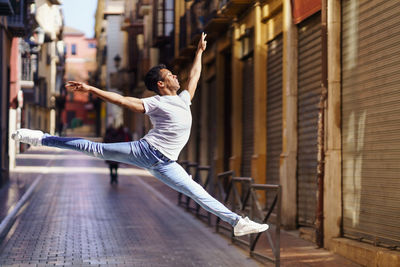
{"points": [[250, 205], [240, 194], [276, 204], [239, 202]]}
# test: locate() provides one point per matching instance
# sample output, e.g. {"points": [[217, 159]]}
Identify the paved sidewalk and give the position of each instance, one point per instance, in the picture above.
{"points": [[76, 218]]}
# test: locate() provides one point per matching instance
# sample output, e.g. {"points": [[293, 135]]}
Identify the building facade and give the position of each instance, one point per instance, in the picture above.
{"points": [[5, 53], [289, 96], [32, 64], [40, 113], [80, 65]]}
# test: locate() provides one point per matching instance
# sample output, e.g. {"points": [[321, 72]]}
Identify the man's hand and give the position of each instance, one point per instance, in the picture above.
{"points": [[202, 43], [77, 86]]}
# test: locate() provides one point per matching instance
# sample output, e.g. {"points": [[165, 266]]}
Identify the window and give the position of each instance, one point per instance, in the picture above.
{"points": [[73, 49], [164, 17], [92, 45]]}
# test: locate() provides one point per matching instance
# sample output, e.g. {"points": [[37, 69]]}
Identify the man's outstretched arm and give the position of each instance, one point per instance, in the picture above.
{"points": [[132, 103], [195, 71]]}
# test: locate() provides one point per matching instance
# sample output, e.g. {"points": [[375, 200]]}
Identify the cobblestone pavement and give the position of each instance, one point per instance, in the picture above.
{"points": [[76, 218]]}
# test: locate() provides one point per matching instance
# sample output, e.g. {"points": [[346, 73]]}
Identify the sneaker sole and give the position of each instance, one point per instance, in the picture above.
{"points": [[251, 232]]}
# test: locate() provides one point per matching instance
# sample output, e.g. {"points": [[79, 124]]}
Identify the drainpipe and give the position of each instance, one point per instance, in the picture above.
{"points": [[321, 126]]}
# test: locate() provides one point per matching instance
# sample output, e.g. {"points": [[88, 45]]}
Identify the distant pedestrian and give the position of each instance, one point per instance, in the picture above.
{"points": [[157, 151], [113, 136]]}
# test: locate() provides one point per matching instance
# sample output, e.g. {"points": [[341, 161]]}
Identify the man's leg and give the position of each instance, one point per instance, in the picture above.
{"points": [[172, 174], [120, 152], [127, 152], [176, 177]]}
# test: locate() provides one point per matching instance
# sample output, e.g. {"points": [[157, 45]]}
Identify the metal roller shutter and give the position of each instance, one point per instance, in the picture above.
{"points": [[274, 110], [247, 119], [309, 87], [227, 109], [196, 123], [211, 121], [371, 120]]}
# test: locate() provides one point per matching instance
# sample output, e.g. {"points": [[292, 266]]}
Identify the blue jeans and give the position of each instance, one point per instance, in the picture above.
{"points": [[143, 155]]}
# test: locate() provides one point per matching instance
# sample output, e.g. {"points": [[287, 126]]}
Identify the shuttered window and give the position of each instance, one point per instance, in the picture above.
{"points": [[248, 118], [227, 109], [195, 135], [309, 88], [274, 111], [371, 120], [211, 120]]}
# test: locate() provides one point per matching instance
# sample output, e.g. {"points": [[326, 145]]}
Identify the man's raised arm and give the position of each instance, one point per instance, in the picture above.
{"points": [[132, 103], [195, 71]]}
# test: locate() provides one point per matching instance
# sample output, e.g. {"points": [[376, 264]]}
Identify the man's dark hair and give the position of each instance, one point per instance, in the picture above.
{"points": [[152, 77]]}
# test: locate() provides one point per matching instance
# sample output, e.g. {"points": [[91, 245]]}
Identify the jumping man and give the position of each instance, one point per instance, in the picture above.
{"points": [[158, 150]]}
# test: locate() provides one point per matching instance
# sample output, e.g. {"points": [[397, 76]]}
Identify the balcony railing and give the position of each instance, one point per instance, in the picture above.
{"points": [[215, 22], [6, 8], [205, 16], [233, 8], [210, 16], [18, 22]]}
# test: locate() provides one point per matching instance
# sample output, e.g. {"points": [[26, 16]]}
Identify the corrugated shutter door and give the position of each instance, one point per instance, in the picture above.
{"points": [[196, 124], [274, 111], [309, 88], [211, 120], [247, 119], [371, 120]]}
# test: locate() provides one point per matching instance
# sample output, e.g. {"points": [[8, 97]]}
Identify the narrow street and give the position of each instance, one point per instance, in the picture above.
{"points": [[76, 218]]}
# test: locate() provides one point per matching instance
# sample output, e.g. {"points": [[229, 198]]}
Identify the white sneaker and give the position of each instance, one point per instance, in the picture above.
{"points": [[246, 226], [32, 137]]}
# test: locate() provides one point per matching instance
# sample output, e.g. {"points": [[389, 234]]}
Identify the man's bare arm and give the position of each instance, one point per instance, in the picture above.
{"points": [[132, 103], [195, 71]]}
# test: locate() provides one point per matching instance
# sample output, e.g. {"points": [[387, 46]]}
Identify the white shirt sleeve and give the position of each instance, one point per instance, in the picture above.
{"points": [[185, 96], [150, 104]]}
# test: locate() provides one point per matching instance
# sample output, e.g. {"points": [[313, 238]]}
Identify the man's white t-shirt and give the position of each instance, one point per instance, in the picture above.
{"points": [[171, 119]]}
